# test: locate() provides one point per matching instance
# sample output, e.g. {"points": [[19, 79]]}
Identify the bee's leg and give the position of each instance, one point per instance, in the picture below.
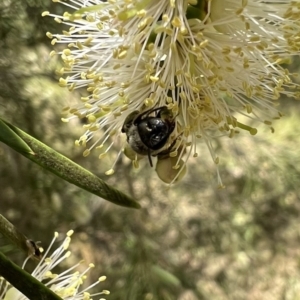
{"points": [[150, 159], [165, 153]]}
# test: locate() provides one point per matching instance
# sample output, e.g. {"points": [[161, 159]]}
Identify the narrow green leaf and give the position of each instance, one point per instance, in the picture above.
{"points": [[165, 276], [9, 137], [24, 282], [63, 167]]}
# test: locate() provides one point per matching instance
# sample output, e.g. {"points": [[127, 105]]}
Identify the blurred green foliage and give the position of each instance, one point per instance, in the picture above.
{"points": [[189, 242]]}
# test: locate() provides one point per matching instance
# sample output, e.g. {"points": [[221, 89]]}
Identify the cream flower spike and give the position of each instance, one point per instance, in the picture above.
{"points": [[209, 62], [67, 284]]}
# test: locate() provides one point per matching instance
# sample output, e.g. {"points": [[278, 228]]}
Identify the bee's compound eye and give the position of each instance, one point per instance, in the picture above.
{"points": [[154, 132]]}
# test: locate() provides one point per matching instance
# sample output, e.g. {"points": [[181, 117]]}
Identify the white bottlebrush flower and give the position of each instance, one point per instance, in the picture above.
{"points": [[67, 284], [208, 61]]}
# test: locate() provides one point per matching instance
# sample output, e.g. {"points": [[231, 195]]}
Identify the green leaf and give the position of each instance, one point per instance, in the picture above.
{"points": [[9, 137], [165, 276], [66, 169], [24, 282]]}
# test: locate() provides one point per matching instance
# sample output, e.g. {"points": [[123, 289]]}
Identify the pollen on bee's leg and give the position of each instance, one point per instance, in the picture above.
{"points": [[170, 170]]}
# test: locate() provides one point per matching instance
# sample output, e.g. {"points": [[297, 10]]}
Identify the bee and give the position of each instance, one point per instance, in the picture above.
{"points": [[34, 250], [148, 132]]}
